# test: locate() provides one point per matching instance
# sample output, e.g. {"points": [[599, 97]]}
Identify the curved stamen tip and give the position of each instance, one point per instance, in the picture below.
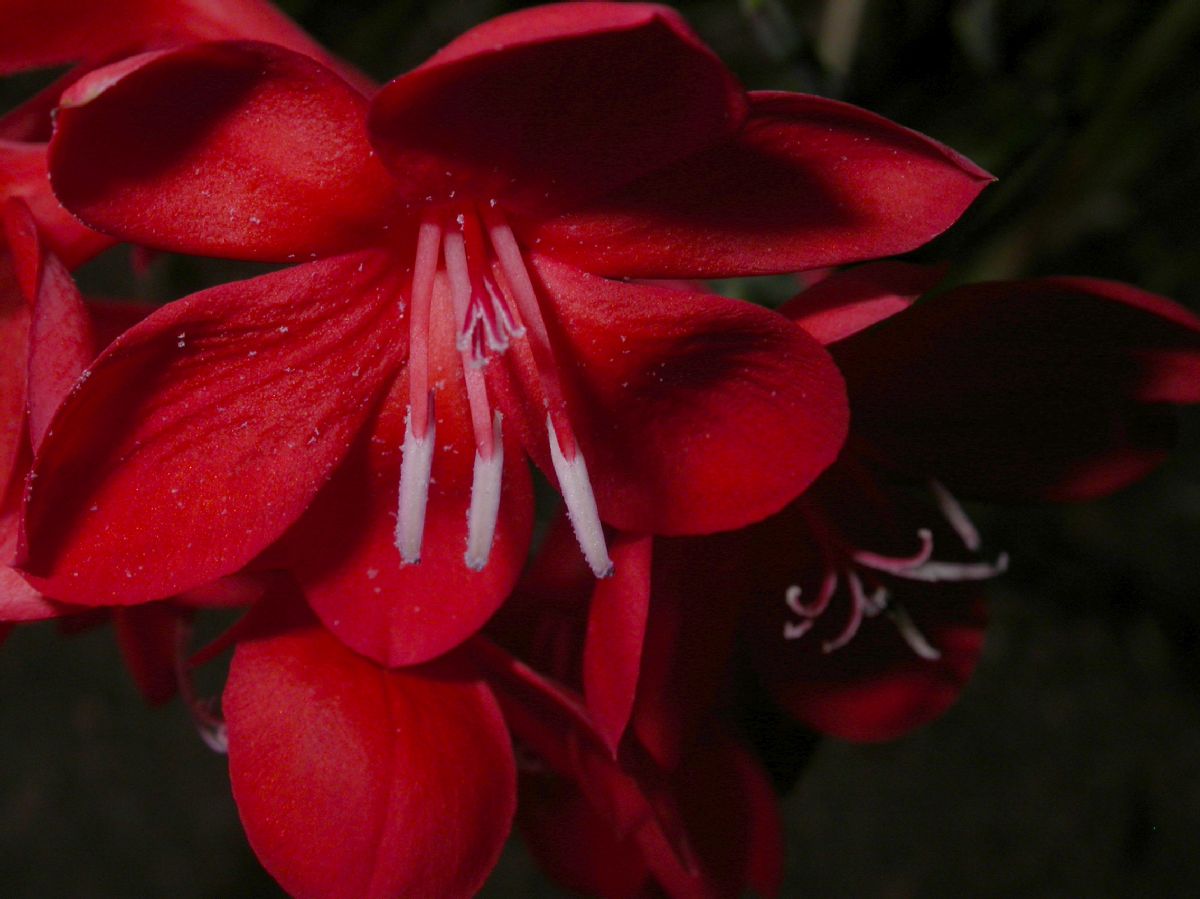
{"points": [[414, 486], [912, 635], [485, 501], [577, 493]]}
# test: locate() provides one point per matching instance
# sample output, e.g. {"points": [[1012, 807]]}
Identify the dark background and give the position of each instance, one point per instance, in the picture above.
{"points": [[1071, 767]]}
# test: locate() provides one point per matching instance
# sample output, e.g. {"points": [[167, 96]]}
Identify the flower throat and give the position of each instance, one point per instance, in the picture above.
{"points": [[487, 276]]}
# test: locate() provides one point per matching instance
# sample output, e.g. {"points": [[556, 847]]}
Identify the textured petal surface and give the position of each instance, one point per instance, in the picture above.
{"points": [[354, 782], [695, 413], [254, 152], [205, 431], [850, 301], [1049, 389], [551, 105], [808, 182]]}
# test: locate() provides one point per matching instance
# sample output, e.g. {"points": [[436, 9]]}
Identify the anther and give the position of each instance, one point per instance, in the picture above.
{"points": [[414, 484], [577, 493], [485, 501]]}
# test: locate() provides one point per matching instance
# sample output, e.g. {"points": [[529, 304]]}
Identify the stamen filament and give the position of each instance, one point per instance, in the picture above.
{"points": [[858, 604], [415, 467], [508, 252], [957, 516], [569, 464], [581, 505], [912, 635], [935, 572], [429, 238], [460, 293], [898, 564]]}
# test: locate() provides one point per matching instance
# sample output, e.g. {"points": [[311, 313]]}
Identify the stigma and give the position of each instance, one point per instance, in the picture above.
{"points": [[494, 303]]}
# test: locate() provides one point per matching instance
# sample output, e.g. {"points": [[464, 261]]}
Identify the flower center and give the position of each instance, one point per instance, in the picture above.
{"points": [[494, 302], [864, 576]]}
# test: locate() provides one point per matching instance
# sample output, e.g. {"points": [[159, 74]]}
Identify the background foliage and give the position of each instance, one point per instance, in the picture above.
{"points": [[1072, 764]]}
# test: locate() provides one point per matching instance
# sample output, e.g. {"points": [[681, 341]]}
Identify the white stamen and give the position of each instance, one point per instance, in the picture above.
{"points": [[792, 597], [794, 630], [414, 487], [912, 635], [935, 572], [581, 505], [956, 515], [858, 604], [485, 501]]}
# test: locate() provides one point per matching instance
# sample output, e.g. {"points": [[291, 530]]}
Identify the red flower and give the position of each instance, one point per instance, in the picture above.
{"points": [[537, 155], [867, 618], [648, 783]]}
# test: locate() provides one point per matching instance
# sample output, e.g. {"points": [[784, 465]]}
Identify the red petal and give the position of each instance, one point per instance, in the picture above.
{"points": [[552, 105], [612, 655], [205, 431], [112, 318], [733, 825], [353, 781], [14, 355], [42, 33], [1026, 390], [573, 844], [699, 588], [255, 153], [695, 413], [876, 688], [21, 602], [23, 175], [148, 636], [850, 301], [808, 182], [18, 600], [61, 344], [345, 551]]}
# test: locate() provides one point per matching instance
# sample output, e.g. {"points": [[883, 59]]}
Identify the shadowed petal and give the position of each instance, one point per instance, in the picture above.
{"points": [[23, 175], [695, 413], [1050, 389], [808, 182], [551, 105], [255, 153]]}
